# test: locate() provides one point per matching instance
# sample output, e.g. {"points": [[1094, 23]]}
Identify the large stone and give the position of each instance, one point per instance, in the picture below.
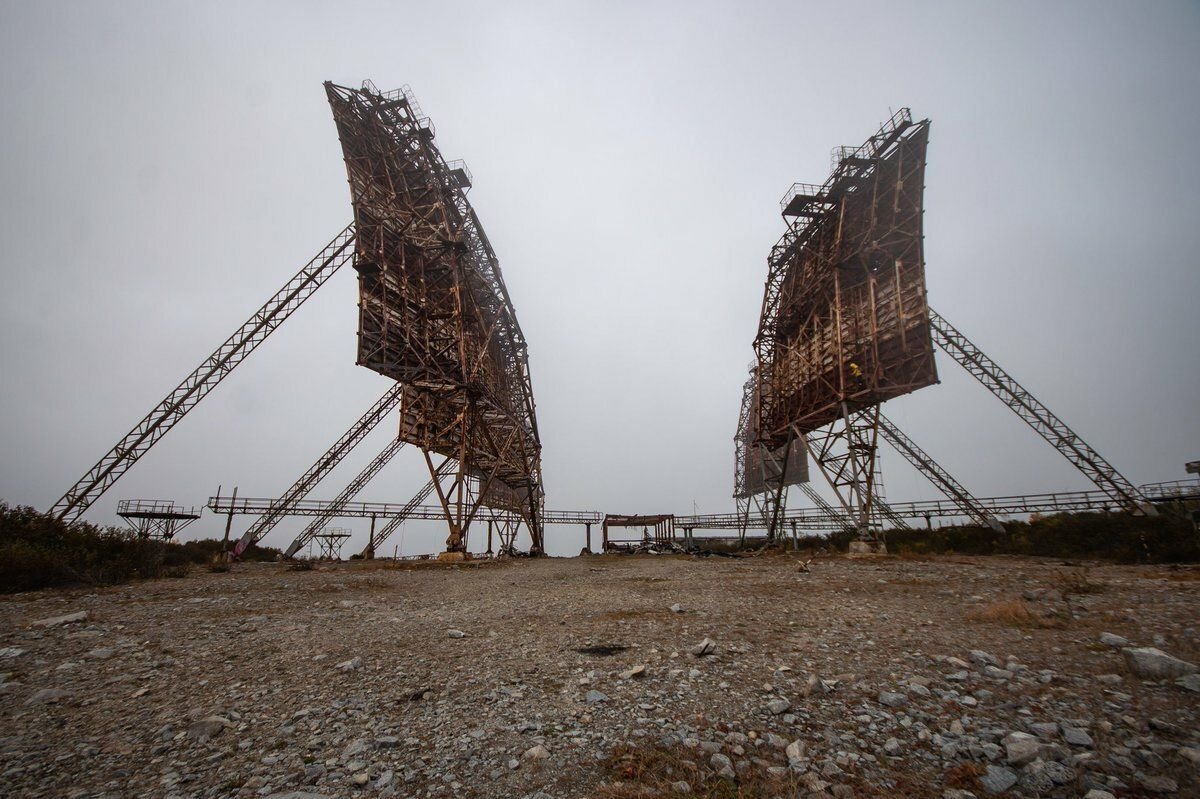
{"points": [[722, 765], [1096, 793], [634, 673], [538, 752], [58, 621], [891, 699], [1154, 664], [298, 795], [705, 647], [998, 779], [1021, 748], [1076, 737], [778, 707], [1114, 640], [1160, 784], [353, 664], [981, 658], [1189, 682], [593, 697], [206, 728], [795, 751], [47, 696]]}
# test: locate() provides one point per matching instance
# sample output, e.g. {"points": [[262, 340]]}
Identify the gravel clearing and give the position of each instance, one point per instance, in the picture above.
{"points": [[872, 677]]}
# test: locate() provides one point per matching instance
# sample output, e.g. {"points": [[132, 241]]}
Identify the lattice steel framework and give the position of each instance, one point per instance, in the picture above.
{"points": [[324, 464], [330, 542], [348, 493], [156, 518], [204, 378], [435, 313], [1038, 416], [379, 537], [762, 476], [942, 479], [844, 323]]}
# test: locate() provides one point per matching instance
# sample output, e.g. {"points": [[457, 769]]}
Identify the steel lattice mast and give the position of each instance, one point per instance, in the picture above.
{"points": [[204, 378], [348, 493], [324, 464], [1037, 416]]}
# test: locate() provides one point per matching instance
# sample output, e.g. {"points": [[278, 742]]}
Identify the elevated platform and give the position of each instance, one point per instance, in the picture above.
{"points": [[156, 518]]}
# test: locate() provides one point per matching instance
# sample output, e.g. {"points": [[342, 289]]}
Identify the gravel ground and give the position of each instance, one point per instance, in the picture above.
{"points": [[876, 677]]}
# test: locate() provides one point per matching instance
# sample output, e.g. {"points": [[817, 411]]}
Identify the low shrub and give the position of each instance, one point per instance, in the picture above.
{"points": [[40, 551]]}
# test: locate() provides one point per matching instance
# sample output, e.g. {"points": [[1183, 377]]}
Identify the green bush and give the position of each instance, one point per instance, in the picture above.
{"points": [[40, 551], [1121, 537]]}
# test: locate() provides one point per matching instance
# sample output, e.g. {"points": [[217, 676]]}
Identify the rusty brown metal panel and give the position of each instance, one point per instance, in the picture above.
{"points": [[845, 319]]}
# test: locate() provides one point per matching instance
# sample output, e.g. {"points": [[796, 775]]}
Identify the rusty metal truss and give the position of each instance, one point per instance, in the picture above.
{"points": [[348, 493], [1038, 416], [942, 479], [156, 518], [435, 315], [844, 322], [393, 524], [330, 542], [656, 528], [817, 519], [126, 452], [336, 453], [257, 506]]}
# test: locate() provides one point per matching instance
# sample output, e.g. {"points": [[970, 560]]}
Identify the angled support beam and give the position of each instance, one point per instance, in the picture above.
{"points": [[348, 493], [927, 466], [826, 509], [384, 533], [332, 457], [205, 378], [1038, 416]]}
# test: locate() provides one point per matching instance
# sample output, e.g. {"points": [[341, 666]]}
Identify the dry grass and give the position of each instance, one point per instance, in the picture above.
{"points": [[1180, 575], [640, 772], [1076, 582], [1017, 613]]}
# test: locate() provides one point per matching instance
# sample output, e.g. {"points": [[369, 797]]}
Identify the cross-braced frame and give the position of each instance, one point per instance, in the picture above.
{"points": [[435, 314]]}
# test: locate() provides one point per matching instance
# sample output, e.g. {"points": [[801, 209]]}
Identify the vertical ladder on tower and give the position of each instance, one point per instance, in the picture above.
{"points": [[927, 466], [348, 493], [1038, 416], [205, 378], [332, 457]]}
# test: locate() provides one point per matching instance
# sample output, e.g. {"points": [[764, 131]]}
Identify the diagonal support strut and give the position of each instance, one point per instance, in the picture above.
{"points": [[138, 441], [331, 458]]}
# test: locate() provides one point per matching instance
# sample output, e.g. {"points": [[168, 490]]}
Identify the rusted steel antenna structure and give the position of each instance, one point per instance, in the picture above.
{"points": [[761, 476], [845, 326], [348, 493], [1039, 417], [330, 542], [323, 465], [656, 528], [503, 522], [435, 315], [138, 441], [844, 323], [156, 518], [954, 490]]}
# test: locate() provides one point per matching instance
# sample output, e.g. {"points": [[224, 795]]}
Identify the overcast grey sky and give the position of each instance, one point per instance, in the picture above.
{"points": [[165, 167]]}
